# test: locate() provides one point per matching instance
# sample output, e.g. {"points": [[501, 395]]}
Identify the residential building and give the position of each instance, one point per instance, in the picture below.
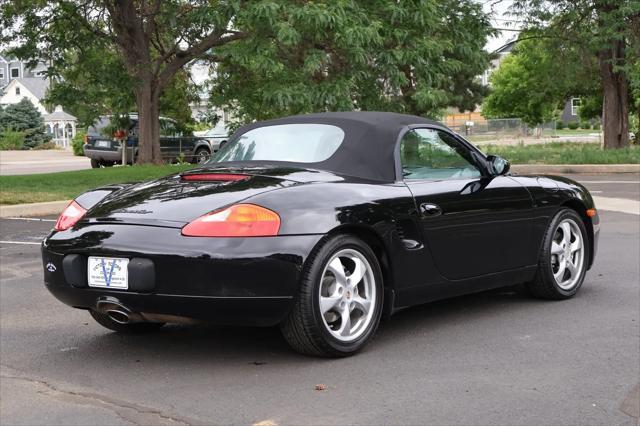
{"points": [[11, 69], [32, 88]]}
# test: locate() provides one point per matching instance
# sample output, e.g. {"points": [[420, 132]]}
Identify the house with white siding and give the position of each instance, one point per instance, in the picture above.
{"points": [[33, 89]]}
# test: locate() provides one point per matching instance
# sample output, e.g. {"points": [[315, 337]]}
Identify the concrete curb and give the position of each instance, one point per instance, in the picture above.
{"points": [[575, 168], [33, 209]]}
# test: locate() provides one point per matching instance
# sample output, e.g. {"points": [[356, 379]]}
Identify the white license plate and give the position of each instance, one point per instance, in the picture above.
{"points": [[103, 144], [108, 272]]}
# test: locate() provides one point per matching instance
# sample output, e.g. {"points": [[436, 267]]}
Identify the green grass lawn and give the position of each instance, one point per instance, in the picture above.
{"points": [[564, 153], [67, 185]]}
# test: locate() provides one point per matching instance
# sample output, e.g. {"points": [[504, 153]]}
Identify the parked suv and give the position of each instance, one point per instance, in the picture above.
{"points": [[217, 136], [104, 151]]}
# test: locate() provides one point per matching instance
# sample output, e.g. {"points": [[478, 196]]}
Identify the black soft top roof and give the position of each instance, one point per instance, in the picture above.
{"points": [[369, 143]]}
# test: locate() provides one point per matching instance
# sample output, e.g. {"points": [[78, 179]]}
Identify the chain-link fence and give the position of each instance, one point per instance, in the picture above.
{"points": [[500, 128]]}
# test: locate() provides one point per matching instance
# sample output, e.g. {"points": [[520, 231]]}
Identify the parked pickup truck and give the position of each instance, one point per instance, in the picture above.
{"points": [[104, 151]]}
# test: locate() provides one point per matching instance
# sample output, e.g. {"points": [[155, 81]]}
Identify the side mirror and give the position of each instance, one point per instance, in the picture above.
{"points": [[498, 165]]}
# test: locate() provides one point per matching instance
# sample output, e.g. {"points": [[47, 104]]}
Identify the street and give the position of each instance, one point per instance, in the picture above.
{"points": [[44, 161], [496, 357]]}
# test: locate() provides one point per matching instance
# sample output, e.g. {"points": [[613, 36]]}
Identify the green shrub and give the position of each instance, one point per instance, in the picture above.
{"points": [[46, 145], [78, 142], [585, 125], [11, 139], [559, 125], [25, 117], [573, 125], [596, 126]]}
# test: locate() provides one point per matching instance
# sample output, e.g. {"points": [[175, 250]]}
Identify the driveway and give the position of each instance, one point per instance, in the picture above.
{"points": [[40, 161], [497, 357]]}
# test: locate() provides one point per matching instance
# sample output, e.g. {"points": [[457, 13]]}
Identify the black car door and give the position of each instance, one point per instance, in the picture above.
{"points": [[473, 224]]}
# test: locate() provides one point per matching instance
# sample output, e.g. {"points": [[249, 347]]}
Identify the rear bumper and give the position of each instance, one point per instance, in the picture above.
{"points": [[243, 281], [104, 155]]}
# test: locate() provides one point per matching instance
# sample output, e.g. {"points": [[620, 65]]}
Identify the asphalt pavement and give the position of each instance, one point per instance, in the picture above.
{"points": [[40, 161], [497, 357]]}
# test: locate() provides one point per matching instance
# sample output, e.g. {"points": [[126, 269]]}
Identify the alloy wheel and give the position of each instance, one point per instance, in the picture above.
{"points": [[567, 254], [203, 156], [347, 295]]}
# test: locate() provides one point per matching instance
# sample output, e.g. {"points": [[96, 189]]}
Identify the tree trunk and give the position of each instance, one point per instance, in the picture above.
{"points": [[615, 104], [147, 101]]}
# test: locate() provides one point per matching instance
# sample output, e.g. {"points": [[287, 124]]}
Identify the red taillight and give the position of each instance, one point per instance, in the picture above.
{"points": [[214, 177], [591, 212], [240, 220], [70, 216]]}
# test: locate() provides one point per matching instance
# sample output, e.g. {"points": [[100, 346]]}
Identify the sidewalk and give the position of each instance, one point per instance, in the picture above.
{"points": [[40, 161]]}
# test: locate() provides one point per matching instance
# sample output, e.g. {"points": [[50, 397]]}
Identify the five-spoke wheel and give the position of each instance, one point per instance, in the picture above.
{"points": [[564, 257], [340, 300], [567, 254], [347, 295]]}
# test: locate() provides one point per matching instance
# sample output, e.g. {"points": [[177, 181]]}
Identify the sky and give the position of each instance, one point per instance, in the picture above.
{"points": [[500, 19]]}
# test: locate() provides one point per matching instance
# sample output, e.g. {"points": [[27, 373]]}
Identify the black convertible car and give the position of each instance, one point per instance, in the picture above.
{"points": [[321, 224]]}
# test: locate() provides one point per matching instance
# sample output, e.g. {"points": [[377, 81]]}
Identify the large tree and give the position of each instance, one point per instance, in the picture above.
{"points": [[272, 57], [155, 38], [94, 82], [532, 84], [412, 56], [605, 30]]}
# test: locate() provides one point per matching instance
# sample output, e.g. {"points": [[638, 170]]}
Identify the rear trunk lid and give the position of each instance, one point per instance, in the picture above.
{"points": [[179, 199]]}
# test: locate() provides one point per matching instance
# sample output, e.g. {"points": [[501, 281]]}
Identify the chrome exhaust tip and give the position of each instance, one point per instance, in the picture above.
{"points": [[118, 316], [115, 310]]}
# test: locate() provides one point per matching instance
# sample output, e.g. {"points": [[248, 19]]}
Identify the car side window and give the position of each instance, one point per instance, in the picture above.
{"points": [[167, 128], [434, 154]]}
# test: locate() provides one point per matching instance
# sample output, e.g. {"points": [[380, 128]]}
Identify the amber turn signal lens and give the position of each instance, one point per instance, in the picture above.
{"points": [[70, 216], [240, 220], [591, 212]]}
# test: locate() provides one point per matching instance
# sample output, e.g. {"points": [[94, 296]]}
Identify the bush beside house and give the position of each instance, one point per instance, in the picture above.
{"points": [[11, 139], [78, 142], [22, 121]]}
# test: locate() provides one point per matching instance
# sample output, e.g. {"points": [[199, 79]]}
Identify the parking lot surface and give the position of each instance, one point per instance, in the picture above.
{"points": [[497, 357]]}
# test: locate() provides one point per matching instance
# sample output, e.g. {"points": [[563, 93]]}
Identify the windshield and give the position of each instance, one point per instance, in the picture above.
{"points": [[297, 143]]}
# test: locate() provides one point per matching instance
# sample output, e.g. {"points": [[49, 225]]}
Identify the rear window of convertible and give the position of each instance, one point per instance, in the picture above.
{"points": [[297, 143]]}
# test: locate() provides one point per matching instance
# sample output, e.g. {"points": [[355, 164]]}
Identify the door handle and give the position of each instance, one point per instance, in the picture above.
{"points": [[430, 209]]}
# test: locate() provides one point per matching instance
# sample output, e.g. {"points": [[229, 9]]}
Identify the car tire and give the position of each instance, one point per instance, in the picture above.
{"points": [[564, 258], [202, 155], [95, 164], [135, 327], [330, 302]]}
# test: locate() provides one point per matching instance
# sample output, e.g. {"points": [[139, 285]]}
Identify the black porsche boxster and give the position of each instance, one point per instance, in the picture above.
{"points": [[320, 224]]}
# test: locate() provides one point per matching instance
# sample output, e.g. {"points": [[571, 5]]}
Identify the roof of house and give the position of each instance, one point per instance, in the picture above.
{"points": [[506, 48], [37, 86], [59, 115]]}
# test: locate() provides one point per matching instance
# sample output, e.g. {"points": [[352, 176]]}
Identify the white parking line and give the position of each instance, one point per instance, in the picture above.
{"points": [[30, 243], [33, 219]]}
